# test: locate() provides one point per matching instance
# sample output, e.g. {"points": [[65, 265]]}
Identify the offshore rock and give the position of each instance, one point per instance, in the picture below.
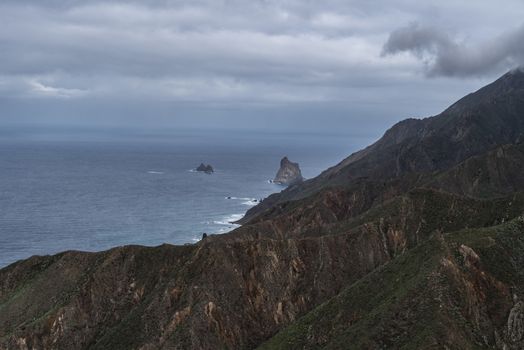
{"points": [[288, 174], [208, 169]]}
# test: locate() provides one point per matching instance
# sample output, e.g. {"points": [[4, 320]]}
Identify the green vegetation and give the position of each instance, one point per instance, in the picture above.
{"points": [[398, 305]]}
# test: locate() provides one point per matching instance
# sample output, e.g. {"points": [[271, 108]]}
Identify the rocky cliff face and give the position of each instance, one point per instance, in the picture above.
{"points": [[208, 296], [415, 242], [460, 290], [288, 174]]}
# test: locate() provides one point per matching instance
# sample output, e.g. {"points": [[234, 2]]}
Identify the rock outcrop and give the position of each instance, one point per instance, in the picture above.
{"points": [[208, 169], [515, 329], [288, 174]]}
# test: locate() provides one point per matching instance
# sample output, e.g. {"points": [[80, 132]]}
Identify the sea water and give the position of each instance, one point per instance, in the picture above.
{"points": [[95, 192]]}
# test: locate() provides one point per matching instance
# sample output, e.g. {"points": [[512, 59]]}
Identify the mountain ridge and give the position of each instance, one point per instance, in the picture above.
{"points": [[412, 145]]}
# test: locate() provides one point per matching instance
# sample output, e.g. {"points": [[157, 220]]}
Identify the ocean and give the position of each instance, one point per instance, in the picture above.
{"points": [[96, 191]]}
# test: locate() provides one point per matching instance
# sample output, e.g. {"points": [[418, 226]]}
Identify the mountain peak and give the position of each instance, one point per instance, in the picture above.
{"points": [[508, 85], [517, 71], [514, 78], [510, 82], [481, 121]]}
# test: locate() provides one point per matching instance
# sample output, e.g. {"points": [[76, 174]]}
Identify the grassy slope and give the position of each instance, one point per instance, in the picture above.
{"points": [[399, 305]]}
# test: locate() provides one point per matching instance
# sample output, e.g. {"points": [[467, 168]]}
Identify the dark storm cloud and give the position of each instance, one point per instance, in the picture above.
{"points": [[446, 56]]}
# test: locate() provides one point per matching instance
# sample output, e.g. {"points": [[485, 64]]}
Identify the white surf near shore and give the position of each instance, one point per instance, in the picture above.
{"points": [[228, 223]]}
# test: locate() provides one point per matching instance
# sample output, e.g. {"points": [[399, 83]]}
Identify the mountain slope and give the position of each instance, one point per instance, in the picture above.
{"points": [[220, 293], [477, 123], [456, 291], [494, 174]]}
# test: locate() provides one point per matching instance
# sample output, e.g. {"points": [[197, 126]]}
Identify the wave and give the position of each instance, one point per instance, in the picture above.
{"points": [[155, 172], [228, 221]]}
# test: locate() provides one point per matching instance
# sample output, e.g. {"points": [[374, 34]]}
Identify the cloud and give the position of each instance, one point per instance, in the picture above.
{"points": [[45, 90], [444, 55], [187, 51], [237, 58]]}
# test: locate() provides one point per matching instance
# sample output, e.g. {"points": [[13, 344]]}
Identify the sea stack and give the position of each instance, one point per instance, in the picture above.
{"points": [[208, 169], [288, 174]]}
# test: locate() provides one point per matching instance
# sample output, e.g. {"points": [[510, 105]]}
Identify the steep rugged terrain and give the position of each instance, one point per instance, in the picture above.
{"points": [[414, 242], [475, 124], [461, 290]]}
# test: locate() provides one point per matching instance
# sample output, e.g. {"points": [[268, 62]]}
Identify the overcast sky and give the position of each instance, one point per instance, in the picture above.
{"points": [[353, 67]]}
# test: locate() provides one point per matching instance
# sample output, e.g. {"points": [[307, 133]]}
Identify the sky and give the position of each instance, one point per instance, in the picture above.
{"points": [[331, 66]]}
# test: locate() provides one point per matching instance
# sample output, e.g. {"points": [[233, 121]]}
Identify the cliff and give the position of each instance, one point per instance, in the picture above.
{"points": [[414, 242]]}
